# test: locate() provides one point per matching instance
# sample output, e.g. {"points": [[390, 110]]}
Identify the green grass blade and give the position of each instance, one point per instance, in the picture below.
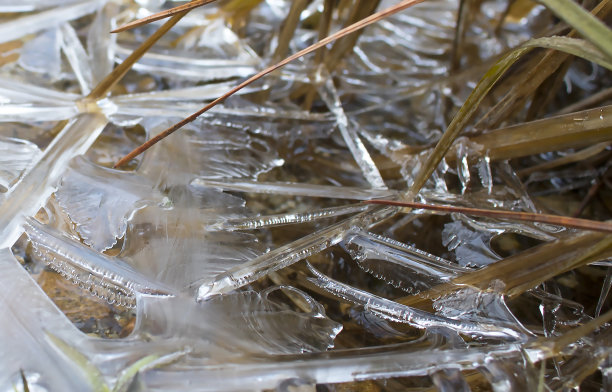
{"points": [[149, 362], [95, 378], [128, 374], [591, 28], [577, 47], [24, 381]]}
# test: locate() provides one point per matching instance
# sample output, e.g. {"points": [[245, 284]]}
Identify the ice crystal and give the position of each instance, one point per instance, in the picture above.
{"points": [[237, 253]]}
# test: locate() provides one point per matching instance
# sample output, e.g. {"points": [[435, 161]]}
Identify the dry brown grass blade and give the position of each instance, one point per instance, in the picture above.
{"points": [[588, 102], [162, 15], [324, 26], [288, 28], [578, 156], [565, 221], [528, 269], [119, 72], [539, 69], [575, 334], [574, 130], [339, 34], [9, 51]]}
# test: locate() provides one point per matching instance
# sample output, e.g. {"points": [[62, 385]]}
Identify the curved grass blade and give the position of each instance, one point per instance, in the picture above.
{"points": [[572, 46], [161, 15], [152, 361], [24, 381], [92, 373], [566, 221], [341, 33], [538, 70], [582, 21]]}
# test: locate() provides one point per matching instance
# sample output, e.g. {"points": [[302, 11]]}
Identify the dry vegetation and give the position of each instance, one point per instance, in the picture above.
{"points": [[482, 146]]}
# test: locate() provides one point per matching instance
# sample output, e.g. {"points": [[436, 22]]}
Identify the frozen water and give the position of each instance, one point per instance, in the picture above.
{"points": [[16, 156], [206, 234], [86, 188], [398, 264]]}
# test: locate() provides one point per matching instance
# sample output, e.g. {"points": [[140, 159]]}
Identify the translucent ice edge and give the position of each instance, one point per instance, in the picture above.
{"points": [[29, 24], [153, 108], [393, 311], [25, 102], [16, 156], [31, 5], [198, 93], [77, 57], [22, 331], [190, 68], [106, 278], [13, 91], [36, 185], [251, 223], [288, 254], [361, 155], [26, 328], [86, 189], [398, 264], [294, 189], [334, 367]]}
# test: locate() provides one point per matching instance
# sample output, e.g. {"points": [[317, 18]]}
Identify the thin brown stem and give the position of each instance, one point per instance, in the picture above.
{"points": [[584, 224], [577, 333], [324, 25], [459, 34], [578, 156], [163, 14], [590, 194], [588, 198], [341, 33], [588, 102]]}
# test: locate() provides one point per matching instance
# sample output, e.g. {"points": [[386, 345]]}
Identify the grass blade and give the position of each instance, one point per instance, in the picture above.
{"points": [[161, 15], [538, 70], [582, 21], [566, 221], [527, 269], [574, 130], [92, 373], [573, 46], [119, 72], [149, 362], [577, 333], [341, 33]]}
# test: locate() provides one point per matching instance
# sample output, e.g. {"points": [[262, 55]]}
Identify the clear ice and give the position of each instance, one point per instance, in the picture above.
{"points": [[239, 243]]}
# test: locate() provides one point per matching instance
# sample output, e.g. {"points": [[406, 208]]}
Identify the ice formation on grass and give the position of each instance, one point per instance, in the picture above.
{"points": [[206, 234]]}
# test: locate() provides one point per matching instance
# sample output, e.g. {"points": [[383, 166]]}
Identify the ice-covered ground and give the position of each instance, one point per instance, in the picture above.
{"points": [[239, 242]]}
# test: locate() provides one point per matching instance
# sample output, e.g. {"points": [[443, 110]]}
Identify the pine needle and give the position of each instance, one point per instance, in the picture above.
{"points": [[161, 15], [565, 221], [341, 33]]}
